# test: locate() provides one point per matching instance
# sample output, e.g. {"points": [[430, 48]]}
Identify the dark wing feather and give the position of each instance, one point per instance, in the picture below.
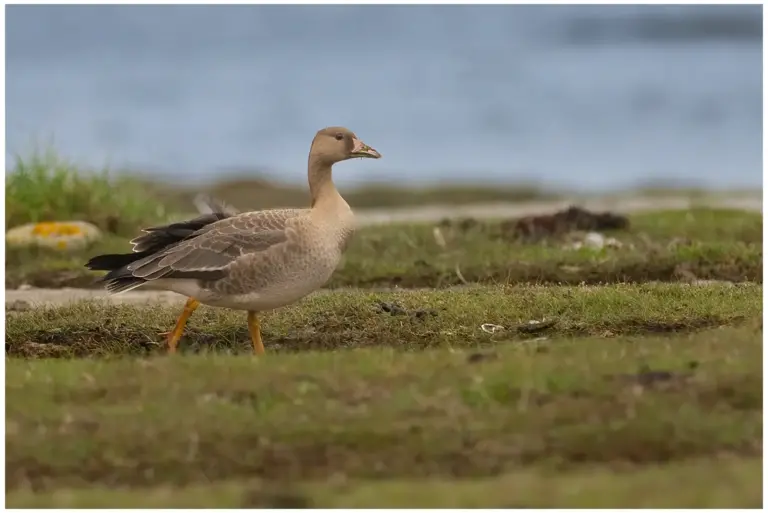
{"points": [[202, 248], [158, 237], [208, 254]]}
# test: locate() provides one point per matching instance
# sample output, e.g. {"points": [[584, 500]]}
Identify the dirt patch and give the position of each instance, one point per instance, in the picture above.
{"points": [[533, 228], [537, 227]]}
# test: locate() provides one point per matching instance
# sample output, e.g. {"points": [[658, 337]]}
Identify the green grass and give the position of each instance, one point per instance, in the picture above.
{"points": [[423, 319], [609, 420], [660, 246], [46, 187], [631, 394], [730, 483]]}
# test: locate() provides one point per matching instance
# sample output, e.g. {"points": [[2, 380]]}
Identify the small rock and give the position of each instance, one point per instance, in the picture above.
{"points": [[60, 235], [594, 240]]}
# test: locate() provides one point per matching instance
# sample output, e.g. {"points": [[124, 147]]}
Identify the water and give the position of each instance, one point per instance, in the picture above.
{"points": [[587, 97]]}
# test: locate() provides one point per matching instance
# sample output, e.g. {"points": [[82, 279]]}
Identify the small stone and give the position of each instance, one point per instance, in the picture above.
{"points": [[594, 240], [59, 235]]}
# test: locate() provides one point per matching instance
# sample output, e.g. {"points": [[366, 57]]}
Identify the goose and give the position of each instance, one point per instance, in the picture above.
{"points": [[252, 261]]}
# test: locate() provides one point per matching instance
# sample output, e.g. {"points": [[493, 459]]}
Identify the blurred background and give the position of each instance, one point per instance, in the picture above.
{"points": [[570, 97]]}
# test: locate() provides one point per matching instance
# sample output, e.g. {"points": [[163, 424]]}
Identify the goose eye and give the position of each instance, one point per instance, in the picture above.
{"points": [[339, 137]]}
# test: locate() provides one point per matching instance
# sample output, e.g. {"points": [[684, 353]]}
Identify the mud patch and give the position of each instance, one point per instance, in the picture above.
{"points": [[533, 228], [538, 227]]}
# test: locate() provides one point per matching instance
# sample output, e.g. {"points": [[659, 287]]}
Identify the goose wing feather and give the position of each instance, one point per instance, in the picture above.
{"points": [[209, 253]]}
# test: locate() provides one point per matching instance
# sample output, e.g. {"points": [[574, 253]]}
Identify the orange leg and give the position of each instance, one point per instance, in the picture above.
{"points": [[255, 330], [175, 335]]}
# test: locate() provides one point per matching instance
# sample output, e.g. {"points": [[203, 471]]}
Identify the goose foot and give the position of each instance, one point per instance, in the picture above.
{"points": [[175, 335], [254, 328]]}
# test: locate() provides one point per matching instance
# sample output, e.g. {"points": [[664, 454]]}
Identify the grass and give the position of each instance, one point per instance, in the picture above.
{"points": [[713, 244], [731, 483], [625, 393], [46, 187], [412, 320], [608, 418]]}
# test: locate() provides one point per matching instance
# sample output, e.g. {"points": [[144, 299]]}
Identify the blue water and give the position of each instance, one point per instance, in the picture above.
{"points": [[588, 97]]}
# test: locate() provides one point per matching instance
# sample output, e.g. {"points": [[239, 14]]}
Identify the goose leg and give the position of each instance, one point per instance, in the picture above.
{"points": [[254, 328], [175, 335]]}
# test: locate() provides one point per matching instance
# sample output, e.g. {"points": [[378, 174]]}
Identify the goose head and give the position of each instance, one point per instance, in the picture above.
{"points": [[336, 144]]}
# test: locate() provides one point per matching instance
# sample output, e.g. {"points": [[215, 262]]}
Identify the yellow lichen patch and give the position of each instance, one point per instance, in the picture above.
{"points": [[62, 236], [56, 229]]}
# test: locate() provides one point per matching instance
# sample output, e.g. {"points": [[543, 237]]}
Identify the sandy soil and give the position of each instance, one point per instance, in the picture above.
{"points": [[32, 297]]}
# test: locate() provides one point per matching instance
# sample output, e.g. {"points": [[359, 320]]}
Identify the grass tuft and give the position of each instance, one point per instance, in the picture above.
{"points": [[46, 187]]}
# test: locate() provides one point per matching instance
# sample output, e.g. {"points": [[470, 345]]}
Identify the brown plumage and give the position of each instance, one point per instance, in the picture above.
{"points": [[251, 261]]}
